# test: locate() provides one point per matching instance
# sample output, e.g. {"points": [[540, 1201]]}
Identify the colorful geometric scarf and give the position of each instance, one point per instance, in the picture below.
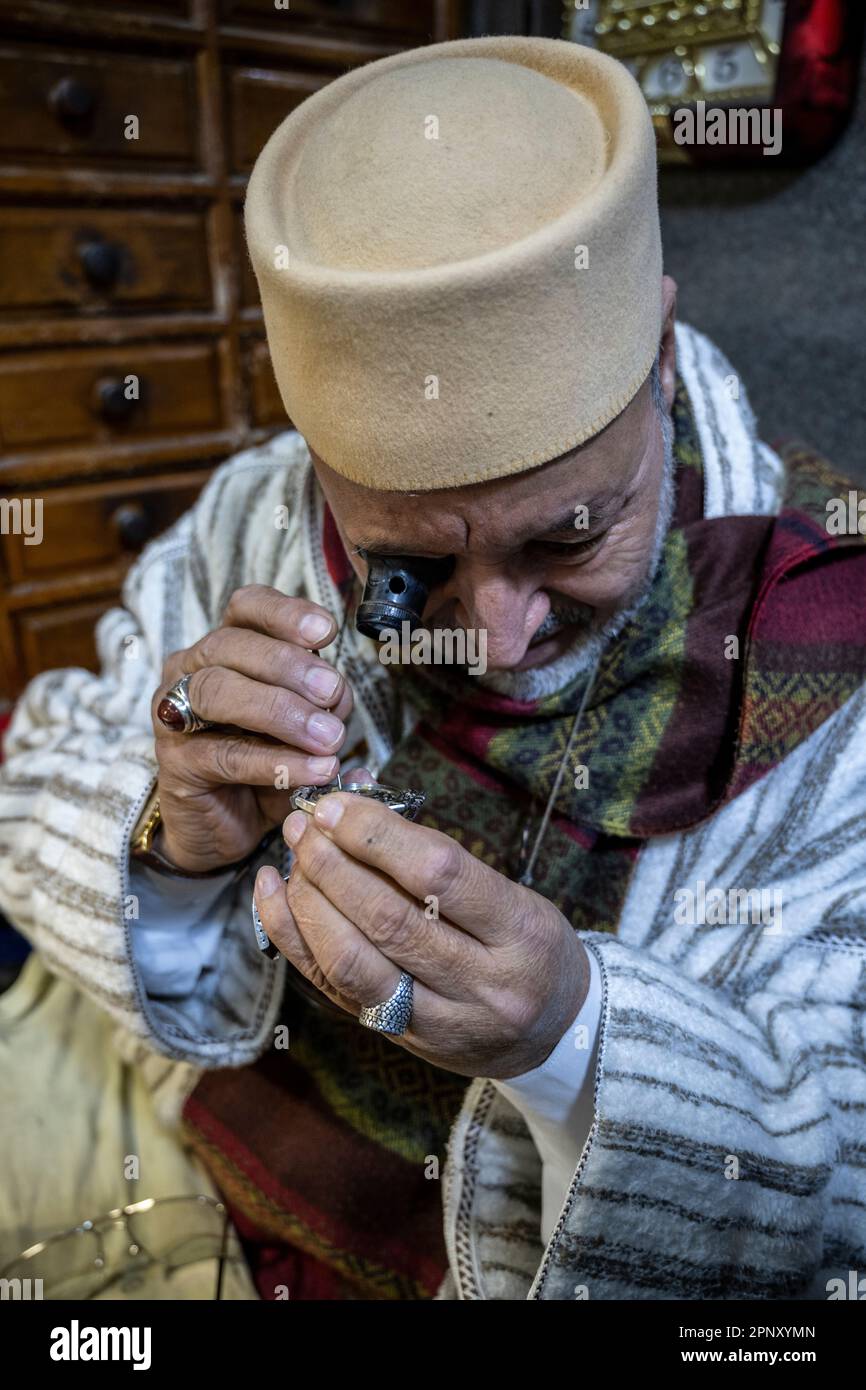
{"points": [[753, 633]]}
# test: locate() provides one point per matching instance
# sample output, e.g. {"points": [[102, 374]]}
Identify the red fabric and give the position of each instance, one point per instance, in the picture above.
{"points": [[818, 72], [5, 720], [281, 1272], [336, 558]]}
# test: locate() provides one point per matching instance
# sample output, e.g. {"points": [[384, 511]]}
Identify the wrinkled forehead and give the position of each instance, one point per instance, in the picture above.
{"points": [[598, 476]]}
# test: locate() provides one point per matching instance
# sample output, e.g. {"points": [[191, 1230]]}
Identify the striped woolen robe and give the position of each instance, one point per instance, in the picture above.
{"points": [[728, 1153]]}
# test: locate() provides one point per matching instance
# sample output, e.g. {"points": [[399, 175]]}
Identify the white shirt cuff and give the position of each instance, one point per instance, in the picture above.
{"points": [[556, 1101], [179, 927]]}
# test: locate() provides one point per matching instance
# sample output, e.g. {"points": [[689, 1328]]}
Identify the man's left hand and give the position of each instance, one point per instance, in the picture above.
{"points": [[499, 973]]}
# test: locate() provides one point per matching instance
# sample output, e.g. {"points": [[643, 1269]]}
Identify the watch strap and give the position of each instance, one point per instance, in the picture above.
{"points": [[144, 847], [145, 827]]}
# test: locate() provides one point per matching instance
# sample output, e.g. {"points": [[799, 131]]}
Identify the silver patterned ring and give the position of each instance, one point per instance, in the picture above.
{"points": [[394, 1015], [175, 711]]}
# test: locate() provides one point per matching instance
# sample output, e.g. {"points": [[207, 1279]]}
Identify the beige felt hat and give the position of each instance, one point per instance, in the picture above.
{"points": [[459, 259]]}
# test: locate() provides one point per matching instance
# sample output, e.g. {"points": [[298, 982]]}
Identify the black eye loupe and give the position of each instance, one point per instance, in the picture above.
{"points": [[396, 591]]}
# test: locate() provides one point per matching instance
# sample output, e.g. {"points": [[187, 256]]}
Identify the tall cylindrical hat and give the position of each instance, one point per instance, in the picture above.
{"points": [[459, 259]]}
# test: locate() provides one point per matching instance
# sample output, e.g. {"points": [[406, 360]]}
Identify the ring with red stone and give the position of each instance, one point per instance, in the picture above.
{"points": [[176, 713]]}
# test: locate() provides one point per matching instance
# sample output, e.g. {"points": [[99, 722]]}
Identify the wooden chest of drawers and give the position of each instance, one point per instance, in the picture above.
{"points": [[132, 352]]}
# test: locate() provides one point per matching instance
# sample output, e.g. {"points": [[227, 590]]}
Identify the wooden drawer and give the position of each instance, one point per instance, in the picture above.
{"points": [[87, 395], [399, 16], [178, 9], [266, 405], [111, 9], [101, 261], [76, 104], [62, 635], [97, 525], [258, 100]]}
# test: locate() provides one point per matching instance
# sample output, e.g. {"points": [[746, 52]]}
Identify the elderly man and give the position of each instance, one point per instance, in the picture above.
{"points": [[632, 907]]}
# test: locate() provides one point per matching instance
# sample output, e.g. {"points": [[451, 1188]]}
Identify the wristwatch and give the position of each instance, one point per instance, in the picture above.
{"points": [[141, 838], [407, 803], [143, 849]]}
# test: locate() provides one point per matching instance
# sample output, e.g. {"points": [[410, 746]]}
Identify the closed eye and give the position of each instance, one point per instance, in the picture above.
{"points": [[570, 549]]}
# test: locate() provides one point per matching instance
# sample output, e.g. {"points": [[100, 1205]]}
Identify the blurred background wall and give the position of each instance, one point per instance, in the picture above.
{"points": [[773, 266]]}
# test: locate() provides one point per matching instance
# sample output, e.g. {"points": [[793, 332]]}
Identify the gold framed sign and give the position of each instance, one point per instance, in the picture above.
{"points": [[684, 51]]}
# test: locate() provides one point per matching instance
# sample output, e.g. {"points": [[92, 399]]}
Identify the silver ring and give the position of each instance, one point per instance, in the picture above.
{"points": [[175, 711], [394, 1015]]}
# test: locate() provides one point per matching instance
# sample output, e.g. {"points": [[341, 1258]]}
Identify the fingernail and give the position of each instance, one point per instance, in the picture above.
{"points": [[325, 728], [268, 881], [294, 826], [329, 810], [322, 681], [322, 767], [314, 626]]}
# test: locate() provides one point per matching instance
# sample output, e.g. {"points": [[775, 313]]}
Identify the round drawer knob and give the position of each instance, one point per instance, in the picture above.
{"points": [[100, 261], [71, 99], [132, 524], [112, 401]]}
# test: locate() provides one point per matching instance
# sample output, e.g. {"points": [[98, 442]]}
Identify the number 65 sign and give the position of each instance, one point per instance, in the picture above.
{"points": [[698, 61]]}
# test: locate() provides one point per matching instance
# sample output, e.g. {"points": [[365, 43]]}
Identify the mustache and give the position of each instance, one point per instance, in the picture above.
{"points": [[565, 613]]}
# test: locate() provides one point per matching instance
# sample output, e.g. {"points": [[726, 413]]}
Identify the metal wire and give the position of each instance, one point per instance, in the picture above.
{"points": [[526, 876]]}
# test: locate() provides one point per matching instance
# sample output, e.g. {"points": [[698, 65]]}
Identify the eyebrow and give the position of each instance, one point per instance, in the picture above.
{"points": [[381, 548], [599, 511]]}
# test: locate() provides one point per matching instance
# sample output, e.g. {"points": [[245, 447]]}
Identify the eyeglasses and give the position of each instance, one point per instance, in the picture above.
{"points": [[159, 1232]]}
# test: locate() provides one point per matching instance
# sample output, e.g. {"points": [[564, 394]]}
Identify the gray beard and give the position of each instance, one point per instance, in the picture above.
{"points": [[541, 681]]}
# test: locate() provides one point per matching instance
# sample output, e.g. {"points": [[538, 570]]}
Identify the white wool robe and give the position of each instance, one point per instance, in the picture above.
{"points": [[727, 1155]]}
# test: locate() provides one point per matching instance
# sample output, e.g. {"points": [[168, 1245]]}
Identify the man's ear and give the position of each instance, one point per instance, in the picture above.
{"points": [[667, 346]]}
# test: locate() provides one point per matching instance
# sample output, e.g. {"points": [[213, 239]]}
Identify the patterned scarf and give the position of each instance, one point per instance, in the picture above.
{"points": [[749, 638]]}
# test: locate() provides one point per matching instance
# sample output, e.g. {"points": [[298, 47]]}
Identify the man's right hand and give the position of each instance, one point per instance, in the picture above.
{"points": [[280, 710]]}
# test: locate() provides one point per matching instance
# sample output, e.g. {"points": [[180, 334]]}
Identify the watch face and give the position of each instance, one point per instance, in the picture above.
{"points": [[406, 803]]}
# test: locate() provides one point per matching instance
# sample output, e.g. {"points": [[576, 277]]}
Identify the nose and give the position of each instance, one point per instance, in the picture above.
{"points": [[508, 609]]}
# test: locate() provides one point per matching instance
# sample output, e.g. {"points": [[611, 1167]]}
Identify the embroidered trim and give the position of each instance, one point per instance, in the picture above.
{"points": [[570, 1196], [464, 1249]]}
